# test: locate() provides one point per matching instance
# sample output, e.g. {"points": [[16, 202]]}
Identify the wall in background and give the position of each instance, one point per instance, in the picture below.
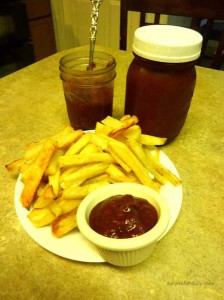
{"points": [[72, 23]]}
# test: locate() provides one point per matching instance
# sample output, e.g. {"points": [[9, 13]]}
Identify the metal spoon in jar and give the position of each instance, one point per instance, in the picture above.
{"points": [[93, 29]]}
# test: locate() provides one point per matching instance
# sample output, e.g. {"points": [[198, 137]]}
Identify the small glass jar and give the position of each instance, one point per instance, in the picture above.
{"points": [[161, 78], [88, 93]]}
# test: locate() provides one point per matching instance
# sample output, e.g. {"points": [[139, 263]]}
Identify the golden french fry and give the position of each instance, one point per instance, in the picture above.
{"points": [[26, 173], [66, 172], [78, 192], [68, 205], [35, 175], [162, 170], [55, 208], [112, 122], [137, 149], [41, 216], [26, 166], [134, 163], [86, 172], [33, 149], [14, 166], [41, 188], [81, 159], [79, 144], [127, 122], [99, 140], [128, 119], [152, 140], [91, 148], [64, 223], [116, 174], [103, 129], [118, 159], [42, 202], [53, 163], [67, 136], [54, 181], [99, 178], [45, 198], [113, 127], [133, 132]]}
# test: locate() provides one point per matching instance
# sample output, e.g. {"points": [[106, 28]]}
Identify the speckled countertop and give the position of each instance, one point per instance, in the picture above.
{"points": [[186, 264]]}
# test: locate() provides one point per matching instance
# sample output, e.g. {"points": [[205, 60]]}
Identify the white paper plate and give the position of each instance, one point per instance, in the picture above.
{"points": [[74, 246]]}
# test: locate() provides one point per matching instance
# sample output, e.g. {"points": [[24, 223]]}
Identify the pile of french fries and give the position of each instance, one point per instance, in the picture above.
{"points": [[58, 172]]}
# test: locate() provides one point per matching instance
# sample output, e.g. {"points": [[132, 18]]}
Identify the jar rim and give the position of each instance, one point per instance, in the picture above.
{"points": [[71, 61]]}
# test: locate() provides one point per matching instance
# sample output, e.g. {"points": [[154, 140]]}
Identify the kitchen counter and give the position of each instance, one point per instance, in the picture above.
{"points": [[186, 264]]}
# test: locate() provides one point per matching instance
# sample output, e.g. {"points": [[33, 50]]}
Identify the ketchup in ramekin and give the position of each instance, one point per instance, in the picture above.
{"points": [[123, 216]]}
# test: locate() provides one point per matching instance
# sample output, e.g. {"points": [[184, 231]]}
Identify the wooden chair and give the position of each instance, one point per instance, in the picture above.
{"points": [[198, 10]]}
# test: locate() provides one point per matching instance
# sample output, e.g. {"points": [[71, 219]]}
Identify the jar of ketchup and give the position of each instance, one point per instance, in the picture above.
{"points": [[161, 78], [88, 93]]}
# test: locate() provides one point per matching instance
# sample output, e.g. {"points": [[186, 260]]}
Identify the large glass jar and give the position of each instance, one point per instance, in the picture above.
{"points": [[88, 93], [161, 78]]}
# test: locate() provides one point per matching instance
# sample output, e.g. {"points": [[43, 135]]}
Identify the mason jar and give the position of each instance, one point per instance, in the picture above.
{"points": [[88, 93], [161, 78]]}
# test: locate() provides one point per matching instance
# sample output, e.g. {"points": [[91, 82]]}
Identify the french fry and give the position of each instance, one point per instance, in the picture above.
{"points": [[91, 148], [85, 172], [113, 127], [14, 166], [112, 122], [152, 140], [99, 140], [127, 123], [35, 175], [54, 181], [162, 170], [67, 136], [79, 144], [66, 172], [41, 216], [77, 192], [53, 163], [45, 197], [137, 149], [132, 161], [55, 208], [118, 159], [33, 149], [68, 205], [99, 178], [116, 175], [81, 159], [133, 132], [64, 223], [102, 129]]}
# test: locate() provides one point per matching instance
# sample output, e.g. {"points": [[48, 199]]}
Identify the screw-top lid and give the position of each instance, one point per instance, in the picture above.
{"points": [[167, 43]]}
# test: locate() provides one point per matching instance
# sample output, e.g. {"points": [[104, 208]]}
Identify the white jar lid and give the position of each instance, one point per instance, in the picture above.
{"points": [[167, 43]]}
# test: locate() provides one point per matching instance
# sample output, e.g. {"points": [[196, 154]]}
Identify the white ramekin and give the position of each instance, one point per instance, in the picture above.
{"points": [[129, 251]]}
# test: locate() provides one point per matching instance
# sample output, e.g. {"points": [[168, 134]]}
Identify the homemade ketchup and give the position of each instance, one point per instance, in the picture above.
{"points": [[161, 78], [123, 216], [88, 93]]}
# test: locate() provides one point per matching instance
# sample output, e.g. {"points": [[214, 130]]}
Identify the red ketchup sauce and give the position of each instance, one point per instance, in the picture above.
{"points": [[88, 93], [87, 106], [123, 216], [160, 94]]}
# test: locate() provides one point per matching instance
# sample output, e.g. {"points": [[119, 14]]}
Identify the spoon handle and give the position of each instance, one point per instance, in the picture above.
{"points": [[93, 29]]}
